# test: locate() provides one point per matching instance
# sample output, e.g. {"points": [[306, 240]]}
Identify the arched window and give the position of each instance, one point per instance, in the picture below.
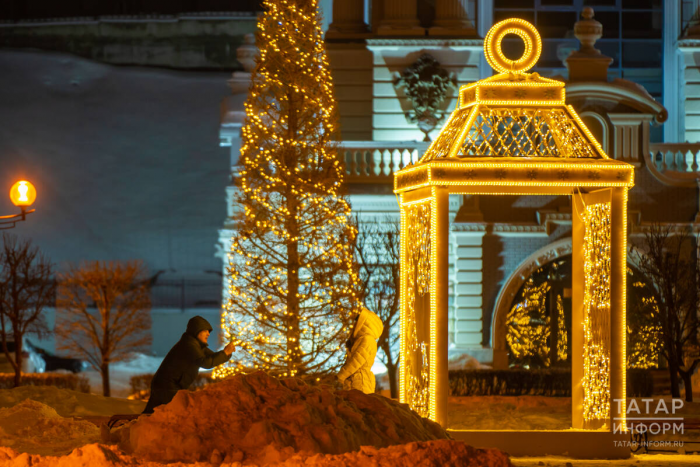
{"points": [[538, 322]]}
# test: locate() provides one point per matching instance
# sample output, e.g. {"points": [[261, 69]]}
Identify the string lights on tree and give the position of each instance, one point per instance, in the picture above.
{"points": [[529, 326], [291, 284]]}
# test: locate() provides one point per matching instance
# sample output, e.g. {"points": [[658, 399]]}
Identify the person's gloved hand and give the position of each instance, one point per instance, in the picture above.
{"points": [[230, 348]]}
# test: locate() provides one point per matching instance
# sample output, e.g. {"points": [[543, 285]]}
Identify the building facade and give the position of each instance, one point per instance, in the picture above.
{"points": [[630, 72], [136, 92]]}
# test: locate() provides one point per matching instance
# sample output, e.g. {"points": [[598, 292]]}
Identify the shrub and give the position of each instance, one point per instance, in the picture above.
{"points": [[545, 382], [60, 380], [550, 382], [640, 382]]}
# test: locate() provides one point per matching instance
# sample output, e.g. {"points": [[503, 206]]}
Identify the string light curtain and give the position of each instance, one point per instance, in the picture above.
{"points": [[416, 252], [596, 312], [291, 284]]}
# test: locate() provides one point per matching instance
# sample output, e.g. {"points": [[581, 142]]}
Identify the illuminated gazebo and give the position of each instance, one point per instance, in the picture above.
{"points": [[513, 134]]}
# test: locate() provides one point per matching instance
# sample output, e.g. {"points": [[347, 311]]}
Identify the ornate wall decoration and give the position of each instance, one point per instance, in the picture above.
{"points": [[426, 84]]}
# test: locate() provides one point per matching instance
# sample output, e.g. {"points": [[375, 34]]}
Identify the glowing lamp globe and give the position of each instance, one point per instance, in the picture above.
{"points": [[23, 194]]}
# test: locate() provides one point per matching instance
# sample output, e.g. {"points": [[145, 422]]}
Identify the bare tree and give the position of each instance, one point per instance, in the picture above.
{"points": [[667, 259], [377, 251], [26, 289], [104, 313]]}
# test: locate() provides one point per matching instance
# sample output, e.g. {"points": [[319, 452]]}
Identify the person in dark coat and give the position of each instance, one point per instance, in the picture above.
{"points": [[180, 367]]}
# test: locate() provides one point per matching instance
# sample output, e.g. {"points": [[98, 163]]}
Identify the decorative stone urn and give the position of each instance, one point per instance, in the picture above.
{"points": [[247, 52], [588, 31], [587, 63]]}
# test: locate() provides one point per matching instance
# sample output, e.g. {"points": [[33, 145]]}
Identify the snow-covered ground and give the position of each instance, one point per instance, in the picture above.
{"points": [[68, 403], [643, 460], [40, 421], [553, 413], [509, 413], [251, 418], [50, 421]]}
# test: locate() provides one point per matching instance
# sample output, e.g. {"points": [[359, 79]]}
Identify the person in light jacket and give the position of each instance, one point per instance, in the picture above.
{"points": [[356, 373]]}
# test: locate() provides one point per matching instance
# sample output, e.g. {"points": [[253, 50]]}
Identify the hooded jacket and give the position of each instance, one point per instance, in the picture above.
{"points": [[181, 365], [357, 371]]}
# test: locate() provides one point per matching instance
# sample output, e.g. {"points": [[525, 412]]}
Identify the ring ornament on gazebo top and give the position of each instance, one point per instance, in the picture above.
{"points": [[516, 114], [494, 52]]}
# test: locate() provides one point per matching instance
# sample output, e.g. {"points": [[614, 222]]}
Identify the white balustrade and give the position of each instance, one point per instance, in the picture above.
{"points": [[376, 161], [675, 163]]}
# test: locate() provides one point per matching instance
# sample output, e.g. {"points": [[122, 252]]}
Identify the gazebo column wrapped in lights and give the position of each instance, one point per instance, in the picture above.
{"points": [[513, 134]]}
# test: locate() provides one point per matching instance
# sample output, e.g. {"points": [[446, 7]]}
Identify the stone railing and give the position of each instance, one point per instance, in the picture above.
{"points": [[376, 161], [675, 164]]}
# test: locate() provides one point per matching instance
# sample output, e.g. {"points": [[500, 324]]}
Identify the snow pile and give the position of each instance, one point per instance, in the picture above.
{"points": [[69, 403], [260, 419], [442, 453], [33, 427], [465, 362], [92, 455]]}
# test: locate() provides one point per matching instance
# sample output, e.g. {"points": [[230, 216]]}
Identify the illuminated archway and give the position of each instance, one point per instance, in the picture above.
{"points": [[513, 134], [529, 327], [510, 289]]}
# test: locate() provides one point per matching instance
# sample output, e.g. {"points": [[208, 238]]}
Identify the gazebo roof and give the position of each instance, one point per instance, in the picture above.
{"points": [[514, 128]]}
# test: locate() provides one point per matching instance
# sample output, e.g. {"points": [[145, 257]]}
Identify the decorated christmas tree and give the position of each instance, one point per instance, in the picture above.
{"points": [[291, 284], [529, 326]]}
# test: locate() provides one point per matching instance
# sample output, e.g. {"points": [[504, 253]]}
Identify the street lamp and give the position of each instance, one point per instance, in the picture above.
{"points": [[23, 195]]}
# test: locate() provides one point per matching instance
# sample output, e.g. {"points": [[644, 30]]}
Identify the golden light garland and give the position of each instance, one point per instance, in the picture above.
{"points": [[416, 246], [562, 337], [494, 52], [291, 284], [513, 134], [646, 336], [596, 311], [526, 173]]}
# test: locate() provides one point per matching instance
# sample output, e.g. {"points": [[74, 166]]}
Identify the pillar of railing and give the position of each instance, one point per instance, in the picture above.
{"points": [[676, 157], [675, 164], [369, 161]]}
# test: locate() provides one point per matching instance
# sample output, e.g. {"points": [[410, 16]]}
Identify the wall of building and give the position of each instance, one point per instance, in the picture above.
{"points": [[390, 57]]}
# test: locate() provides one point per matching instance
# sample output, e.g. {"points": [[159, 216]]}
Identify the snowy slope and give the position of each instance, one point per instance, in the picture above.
{"points": [[39, 419], [68, 403]]}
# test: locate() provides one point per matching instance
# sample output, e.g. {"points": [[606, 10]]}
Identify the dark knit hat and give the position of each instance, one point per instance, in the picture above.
{"points": [[197, 325]]}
